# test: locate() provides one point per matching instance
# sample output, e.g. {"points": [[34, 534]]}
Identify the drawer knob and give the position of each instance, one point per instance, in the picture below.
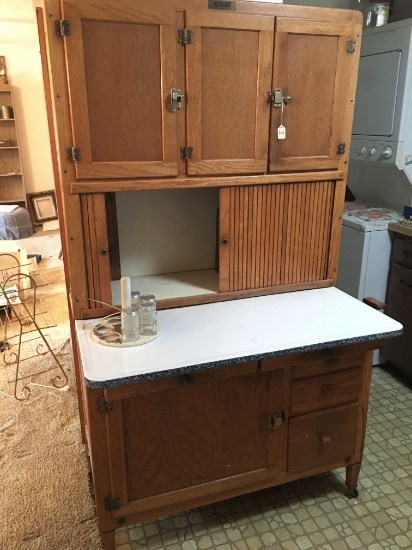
{"points": [[276, 421], [326, 439], [328, 391]]}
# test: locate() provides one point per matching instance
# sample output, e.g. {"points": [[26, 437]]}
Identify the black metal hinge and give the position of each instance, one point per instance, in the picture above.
{"points": [[73, 153], [111, 504], [184, 36], [62, 27], [186, 153], [104, 406], [341, 148], [351, 45]]}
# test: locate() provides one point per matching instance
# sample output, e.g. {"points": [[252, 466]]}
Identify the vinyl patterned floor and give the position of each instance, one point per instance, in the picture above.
{"points": [[313, 513]]}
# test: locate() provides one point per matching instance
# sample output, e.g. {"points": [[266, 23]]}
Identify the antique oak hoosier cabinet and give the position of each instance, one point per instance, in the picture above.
{"points": [[202, 148]]}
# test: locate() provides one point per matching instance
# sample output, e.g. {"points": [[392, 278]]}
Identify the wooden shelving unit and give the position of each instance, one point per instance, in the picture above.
{"points": [[12, 189]]}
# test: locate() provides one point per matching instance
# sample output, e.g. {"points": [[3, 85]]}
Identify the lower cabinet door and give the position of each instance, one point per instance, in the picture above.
{"points": [[324, 438], [208, 436]]}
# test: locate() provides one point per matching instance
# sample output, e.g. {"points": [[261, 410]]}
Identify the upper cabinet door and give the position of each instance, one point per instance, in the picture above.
{"points": [[228, 75], [313, 67], [121, 64]]}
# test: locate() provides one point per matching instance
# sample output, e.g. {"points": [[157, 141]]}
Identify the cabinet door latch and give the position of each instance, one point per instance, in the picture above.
{"points": [[176, 97], [276, 98], [276, 421]]}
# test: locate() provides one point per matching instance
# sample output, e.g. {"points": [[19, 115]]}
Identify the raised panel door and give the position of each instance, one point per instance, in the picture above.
{"points": [[194, 434], [313, 67], [121, 66], [228, 73]]}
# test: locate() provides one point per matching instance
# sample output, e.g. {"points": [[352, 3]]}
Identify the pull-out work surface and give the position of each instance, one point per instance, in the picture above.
{"points": [[215, 335]]}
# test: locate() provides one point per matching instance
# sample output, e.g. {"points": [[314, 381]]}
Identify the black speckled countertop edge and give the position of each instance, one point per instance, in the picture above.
{"points": [[103, 384]]}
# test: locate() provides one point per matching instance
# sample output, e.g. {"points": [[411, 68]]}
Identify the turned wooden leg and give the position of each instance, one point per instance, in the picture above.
{"points": [[108, 540], [352, 476]]}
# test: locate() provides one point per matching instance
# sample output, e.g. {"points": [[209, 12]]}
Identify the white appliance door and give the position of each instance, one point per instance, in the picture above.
{"points": [[376, 94], [353, 256]]}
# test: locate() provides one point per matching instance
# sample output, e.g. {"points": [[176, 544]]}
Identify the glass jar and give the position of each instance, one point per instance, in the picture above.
{"points": [[135, 299], [147, 315], [130, 324], [376, 14]]}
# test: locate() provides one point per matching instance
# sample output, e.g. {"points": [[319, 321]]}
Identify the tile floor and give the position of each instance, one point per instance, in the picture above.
{"points": [[313, 513]]}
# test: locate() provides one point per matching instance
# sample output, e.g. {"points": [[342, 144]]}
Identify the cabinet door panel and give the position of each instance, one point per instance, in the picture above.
{"points": [[195, 434], [312, 66], [121, 70], [273, 235], [229, 67]]}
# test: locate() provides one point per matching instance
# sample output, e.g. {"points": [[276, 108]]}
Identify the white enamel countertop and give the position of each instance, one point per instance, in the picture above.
{"points": [[215, 334]]}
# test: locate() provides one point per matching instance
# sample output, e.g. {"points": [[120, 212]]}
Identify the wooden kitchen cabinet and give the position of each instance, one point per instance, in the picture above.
{"points": [[399, 303], [182, 441], [123, 65], [200, 203], [278, 203]]}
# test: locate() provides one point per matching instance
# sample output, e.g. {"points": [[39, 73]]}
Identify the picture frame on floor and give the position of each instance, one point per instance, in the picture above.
{"points": [[42, 206]]}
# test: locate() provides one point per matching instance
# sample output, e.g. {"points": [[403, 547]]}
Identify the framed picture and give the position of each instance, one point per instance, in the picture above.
{"points": [[42, 207]]}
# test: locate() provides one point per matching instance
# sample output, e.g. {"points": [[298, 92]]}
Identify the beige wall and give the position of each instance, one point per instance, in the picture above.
{"points": [[19, 43]]}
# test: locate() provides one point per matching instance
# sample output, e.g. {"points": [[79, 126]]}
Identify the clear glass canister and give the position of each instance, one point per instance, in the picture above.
{"points": [[135, 299], [130, 324], [147, 315], [376, 14]]}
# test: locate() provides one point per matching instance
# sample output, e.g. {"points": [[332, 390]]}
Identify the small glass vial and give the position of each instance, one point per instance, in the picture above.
{"points": [[147, 315], [130, 324]]}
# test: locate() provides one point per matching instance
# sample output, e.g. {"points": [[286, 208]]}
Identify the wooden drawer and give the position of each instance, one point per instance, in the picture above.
{"points": [[402, 251], [322, 439], [329, 390]]}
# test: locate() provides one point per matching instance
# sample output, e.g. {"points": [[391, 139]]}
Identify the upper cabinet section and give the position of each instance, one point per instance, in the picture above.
{"points": [[121, 68], [315, 68], [171, 88], [228, 75]]}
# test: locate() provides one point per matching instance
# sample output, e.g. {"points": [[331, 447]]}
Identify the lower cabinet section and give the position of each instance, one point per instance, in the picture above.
{"points": [[183, 441]]}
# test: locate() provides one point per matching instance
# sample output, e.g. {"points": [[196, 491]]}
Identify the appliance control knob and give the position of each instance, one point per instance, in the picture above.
{"points": [[363, 150], [387, 152], [373, 150]]}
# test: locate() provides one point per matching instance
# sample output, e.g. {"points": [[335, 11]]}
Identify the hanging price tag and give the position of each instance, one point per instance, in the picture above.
{"points": [[281, 132]]}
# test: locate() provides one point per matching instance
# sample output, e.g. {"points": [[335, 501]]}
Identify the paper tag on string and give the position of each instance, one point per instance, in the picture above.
{"points": [[281, 132]]}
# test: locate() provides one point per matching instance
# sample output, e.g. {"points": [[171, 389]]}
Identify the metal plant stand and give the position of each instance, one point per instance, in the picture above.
{"points": [[27, 347]]}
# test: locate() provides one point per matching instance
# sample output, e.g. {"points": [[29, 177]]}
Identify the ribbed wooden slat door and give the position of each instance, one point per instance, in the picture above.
{"points": [[273, 235]]}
